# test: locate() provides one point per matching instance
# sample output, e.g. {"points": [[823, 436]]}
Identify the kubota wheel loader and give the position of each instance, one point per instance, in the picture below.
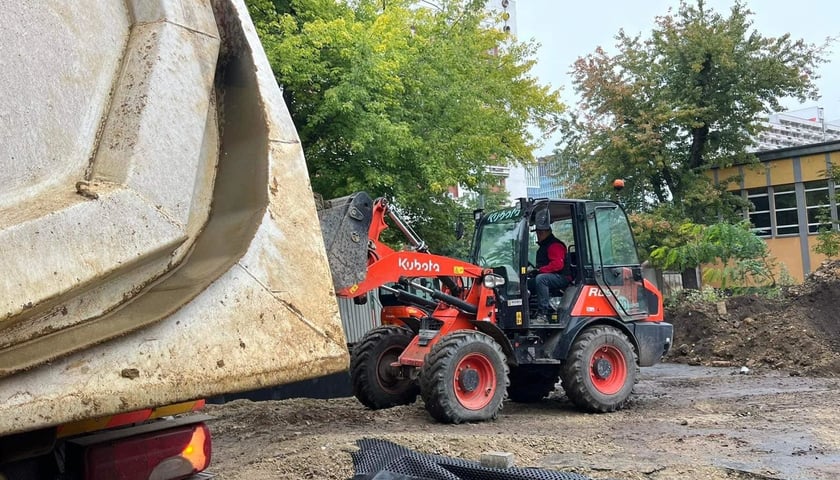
{"points": [[480, 343]]}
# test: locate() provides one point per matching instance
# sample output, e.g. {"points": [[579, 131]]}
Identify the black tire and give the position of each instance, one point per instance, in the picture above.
{"points": [[601, 369], [532, 383], [464, 378], [376, 384]]}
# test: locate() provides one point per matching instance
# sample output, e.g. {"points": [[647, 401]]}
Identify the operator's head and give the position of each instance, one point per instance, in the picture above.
{"points": [[542, 225], [543, 231]]}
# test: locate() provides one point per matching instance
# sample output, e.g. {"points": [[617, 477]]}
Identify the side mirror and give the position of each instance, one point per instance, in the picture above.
{"points": [[459, 230]]}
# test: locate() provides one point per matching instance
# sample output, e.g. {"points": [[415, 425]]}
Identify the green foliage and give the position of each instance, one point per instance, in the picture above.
{"points": [[652, 230], [732, 255], [785, 278], [665, 109], [489, 199], [828, 242], [404, 102], [828, 235], [689, 297]]}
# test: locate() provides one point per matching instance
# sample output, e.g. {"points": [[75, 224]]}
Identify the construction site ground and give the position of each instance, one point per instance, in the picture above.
{"points": [[749, 391]]}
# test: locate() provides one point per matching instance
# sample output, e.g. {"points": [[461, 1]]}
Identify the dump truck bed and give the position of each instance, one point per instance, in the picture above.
{"points": [[160, 236]]}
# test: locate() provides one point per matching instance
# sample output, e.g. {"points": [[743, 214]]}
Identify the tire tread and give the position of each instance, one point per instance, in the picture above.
{"points": [[576, 368], [363, 386], [433, 381]]}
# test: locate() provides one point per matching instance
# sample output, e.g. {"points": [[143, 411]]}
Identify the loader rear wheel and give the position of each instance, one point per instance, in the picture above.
{"points": [[375, 382], [532, 383], [601, 369], [464, 378]]}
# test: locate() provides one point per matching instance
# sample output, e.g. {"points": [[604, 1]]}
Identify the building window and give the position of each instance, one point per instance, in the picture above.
{"points": [[532, 177], [778, 203], [787, 218], [818, 205], [759, 216]]}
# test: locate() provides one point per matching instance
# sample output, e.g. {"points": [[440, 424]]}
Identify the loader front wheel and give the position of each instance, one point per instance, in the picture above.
{"points": [[376, 384], [464, 378], [601, 369]]}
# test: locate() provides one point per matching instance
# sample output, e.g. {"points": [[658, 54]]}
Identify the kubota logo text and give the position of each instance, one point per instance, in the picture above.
{"points": [[418, 266]]}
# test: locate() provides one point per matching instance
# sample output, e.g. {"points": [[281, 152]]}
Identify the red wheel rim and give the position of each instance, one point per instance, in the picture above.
{"points": [[386, 375], [608, 370], [475, 381]]}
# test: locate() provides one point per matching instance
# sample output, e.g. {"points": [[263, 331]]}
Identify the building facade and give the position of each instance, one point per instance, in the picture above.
{"points": [[544, 179], [797, 128], [792, 197]]}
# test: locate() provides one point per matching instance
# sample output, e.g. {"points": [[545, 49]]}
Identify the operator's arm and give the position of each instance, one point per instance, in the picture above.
{"points": [[556, 258]]}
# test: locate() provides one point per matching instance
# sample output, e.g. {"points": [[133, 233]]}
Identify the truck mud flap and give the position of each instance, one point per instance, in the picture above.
{"points": [[345, 223]]}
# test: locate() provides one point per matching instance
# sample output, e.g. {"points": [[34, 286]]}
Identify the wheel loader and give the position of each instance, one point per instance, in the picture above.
{"points": [[475, 341]]}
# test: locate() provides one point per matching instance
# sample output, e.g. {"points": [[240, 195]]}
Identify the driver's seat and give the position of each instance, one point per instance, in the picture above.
{"points": [[511, 278]]}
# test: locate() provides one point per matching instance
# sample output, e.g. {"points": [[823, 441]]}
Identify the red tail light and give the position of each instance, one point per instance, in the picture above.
{"points": [[162, 455]]}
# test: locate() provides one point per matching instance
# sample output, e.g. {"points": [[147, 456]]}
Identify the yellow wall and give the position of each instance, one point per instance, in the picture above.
{"points": [[813, 167], [755, 176], [787, 253], [781, 172], [786, 250], [816, 258], [835, 157], [724, 174]]}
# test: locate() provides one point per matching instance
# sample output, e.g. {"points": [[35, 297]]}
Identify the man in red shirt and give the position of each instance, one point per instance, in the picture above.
{"points": [[551, 273]]}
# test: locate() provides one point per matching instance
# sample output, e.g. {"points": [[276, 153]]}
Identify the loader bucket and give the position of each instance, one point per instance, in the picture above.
{"points": [[160, 236], [345, 223]]}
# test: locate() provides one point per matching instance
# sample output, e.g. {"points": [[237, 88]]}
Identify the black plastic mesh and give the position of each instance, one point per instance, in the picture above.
{"points": [[384, 460]]}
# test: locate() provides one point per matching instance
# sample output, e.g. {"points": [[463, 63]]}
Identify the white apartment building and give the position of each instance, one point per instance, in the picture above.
{"points": [[796, 128]]}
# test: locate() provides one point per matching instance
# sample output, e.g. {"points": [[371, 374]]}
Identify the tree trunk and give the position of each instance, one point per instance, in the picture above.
{"points": [[698, 142]]}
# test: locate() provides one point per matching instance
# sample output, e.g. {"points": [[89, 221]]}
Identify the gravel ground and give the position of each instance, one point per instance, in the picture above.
{"points": [[684, 422]]}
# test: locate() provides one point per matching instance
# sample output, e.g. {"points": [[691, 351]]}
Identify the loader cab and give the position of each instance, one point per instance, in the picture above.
{"points": [[601, 250]]}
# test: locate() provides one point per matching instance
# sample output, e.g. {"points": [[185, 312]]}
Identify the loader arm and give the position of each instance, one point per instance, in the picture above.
{"points": [[394, 265], [360, 261]]}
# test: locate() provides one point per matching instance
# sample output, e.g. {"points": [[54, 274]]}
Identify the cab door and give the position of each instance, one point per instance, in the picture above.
{"points": [[614, 259]]}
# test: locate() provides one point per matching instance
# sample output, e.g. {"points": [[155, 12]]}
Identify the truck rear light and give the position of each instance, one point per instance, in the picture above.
{"points": [[197, 452], [162, 455]]}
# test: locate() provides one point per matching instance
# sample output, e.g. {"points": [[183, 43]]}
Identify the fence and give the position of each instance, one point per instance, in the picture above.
{"points": [[672, 282], [359, 319]]}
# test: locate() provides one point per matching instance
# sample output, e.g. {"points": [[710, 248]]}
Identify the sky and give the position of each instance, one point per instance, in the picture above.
{"points": [[568, 29]]}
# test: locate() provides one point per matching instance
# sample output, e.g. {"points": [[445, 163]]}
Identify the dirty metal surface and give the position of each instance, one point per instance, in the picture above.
{"points": [[248, 304]]}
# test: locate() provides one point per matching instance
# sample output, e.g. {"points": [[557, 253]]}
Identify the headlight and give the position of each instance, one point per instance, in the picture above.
{"points": [[493, 281]]}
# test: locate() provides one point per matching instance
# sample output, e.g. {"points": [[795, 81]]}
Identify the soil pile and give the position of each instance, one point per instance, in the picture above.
{"points": [[799, 332]]}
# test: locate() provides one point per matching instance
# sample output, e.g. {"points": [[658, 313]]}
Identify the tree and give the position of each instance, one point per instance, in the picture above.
{"points": [[664, 110], [828, 234], [404, 102], [487, 198]]}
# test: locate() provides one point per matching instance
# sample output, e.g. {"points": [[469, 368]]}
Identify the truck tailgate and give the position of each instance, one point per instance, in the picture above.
{"points": [[160, 237]]}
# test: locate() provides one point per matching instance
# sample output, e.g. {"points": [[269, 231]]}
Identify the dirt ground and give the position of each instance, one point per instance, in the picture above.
{"points": [[699, 415], [798, 333]]}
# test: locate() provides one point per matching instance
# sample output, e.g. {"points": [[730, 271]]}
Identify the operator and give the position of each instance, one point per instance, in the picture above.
{"points": [[551, 272]]}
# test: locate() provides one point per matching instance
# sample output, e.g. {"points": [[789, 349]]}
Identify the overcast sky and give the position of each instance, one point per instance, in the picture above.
{"points": [[568, 29]]}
